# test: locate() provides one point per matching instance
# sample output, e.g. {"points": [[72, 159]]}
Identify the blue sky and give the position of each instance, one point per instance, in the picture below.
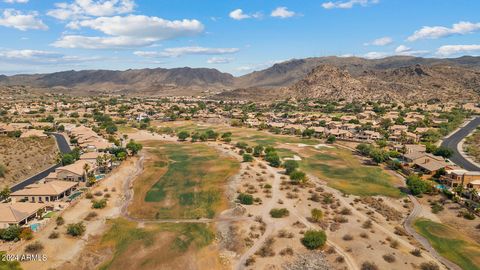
{"points": [[236, 36]]}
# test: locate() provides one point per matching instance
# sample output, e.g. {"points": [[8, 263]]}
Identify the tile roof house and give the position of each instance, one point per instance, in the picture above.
{"points": [[19, 213], [46, 192]]}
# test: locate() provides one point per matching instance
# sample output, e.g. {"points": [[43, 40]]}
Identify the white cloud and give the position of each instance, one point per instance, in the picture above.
{"points": [[86, 42], [448, 50], [128, 31], [375, 55], [39, 57], [434, 32], [404, 50], [348, 4], [21, 21], [219, 60], [180, 51], [282, 12], [383, 41], [15, 1], [85, 8], [238, 14]]}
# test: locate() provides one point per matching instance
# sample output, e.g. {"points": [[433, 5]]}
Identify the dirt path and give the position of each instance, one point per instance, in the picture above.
{"points": [[417, 209], [269, 222], [391, 234]]}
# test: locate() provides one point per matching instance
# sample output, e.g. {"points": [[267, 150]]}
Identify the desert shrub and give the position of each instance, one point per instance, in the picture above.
{"points": [[436, 207], [364, 235], [35, 247], [367, 224], [390, 258], [317, 214], [313, 239], [416, 252], [88, 195], [394, 244], [91, 215], [106, 195], [249, 261], [469, 215], [3, 169], [429, 266], [99, 204], [369, 266], [345, 211], [76, 229], [98, 193], [279, 212], [286, 251], [60, 221], [266, 250], [246, 199], [26, 234], [54, 235], [347, 237]]}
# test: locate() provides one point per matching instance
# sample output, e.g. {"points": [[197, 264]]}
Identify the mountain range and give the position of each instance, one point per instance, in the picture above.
{"points": [[331, 78]]}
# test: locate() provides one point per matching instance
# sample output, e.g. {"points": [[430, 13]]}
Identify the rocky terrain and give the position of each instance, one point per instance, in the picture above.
{"points": [[332, 78]]}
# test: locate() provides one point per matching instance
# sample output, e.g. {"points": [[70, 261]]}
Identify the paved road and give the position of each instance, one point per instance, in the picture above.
{"points": [[62, 146], [453, 141]]}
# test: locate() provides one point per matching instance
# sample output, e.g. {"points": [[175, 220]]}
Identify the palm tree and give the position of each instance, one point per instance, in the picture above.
{"points": [[86, 169]]}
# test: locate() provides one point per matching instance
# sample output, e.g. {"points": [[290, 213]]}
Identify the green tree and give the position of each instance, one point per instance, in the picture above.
{"points": [[244, 198], [257, 151], [443, 152], [247, 158], [313, 239], [273, 159], [298, 177], [183, 135], [418, 186], [134, 147], [331, 139], [290, 166], [308, 133]]}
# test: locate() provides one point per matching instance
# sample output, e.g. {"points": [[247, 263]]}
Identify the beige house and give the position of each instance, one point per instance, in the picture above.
{"points": [[72, 172], [19, 213], [469, 179], [42, 193]]}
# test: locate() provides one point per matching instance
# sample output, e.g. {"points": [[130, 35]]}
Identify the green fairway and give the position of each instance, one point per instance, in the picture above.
{"points": [[343, 171], [339, 167], [183, 181], [450, 243]]}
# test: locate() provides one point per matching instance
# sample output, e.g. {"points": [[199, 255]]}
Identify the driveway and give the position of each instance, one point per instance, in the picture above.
{"points": [[62, 146], [453, 141]]}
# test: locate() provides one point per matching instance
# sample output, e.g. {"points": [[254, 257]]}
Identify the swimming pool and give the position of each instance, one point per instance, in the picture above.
{"points": [[35, 227]]}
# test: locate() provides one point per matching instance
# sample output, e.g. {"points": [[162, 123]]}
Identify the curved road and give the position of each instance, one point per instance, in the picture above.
{"points": [[454, 139], [63, 147]]}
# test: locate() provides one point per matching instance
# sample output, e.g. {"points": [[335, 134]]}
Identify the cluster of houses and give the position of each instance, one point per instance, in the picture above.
{"points": [[417, 159], [59, 187]]}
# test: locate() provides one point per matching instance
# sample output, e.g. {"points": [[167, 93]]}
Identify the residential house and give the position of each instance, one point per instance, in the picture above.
{"points": [[19, 213], [44, 192]]}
